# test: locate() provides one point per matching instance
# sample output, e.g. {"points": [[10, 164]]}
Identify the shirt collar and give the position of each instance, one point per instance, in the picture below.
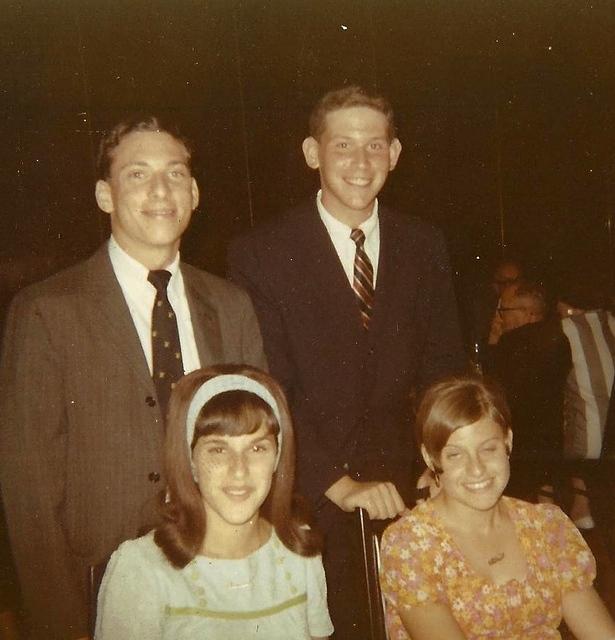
{"points": [[131, 268], [335, 226]]}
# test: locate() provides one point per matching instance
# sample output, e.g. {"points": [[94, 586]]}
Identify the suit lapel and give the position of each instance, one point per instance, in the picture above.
{"points": [[398, 285], [110, 305], [205, 321], [385, 284], [323, 269], [112, 313], [392, 248], [331, 286]]}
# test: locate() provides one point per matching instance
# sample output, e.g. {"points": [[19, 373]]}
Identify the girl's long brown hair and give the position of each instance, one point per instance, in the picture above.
{"points": [[181, 534]]}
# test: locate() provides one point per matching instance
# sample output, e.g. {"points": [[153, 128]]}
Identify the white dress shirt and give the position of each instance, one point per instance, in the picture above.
{"points": [[345, 246], [140, 294]]}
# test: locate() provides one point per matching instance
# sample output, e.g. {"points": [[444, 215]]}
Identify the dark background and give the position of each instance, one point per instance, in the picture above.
{"points": [[505, 112]]}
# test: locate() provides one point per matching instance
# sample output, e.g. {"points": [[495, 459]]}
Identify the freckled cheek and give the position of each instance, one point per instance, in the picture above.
{"points": [[260, 465], [209, 470]]}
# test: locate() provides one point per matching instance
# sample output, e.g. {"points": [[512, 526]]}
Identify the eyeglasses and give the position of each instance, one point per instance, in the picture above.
{"points": [[501, 310]]}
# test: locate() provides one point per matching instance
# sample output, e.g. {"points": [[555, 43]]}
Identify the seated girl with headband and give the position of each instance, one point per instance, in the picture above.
{"points": [[470, 563], [231, 559]]}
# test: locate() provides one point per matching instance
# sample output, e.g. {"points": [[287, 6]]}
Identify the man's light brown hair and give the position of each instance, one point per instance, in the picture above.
{"points": [[344, 98]]}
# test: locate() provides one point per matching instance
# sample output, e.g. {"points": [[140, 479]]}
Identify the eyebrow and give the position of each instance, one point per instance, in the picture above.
{"points": [[216, 439], [351, 137], [212, 439], [460, 446], [144, 163]]}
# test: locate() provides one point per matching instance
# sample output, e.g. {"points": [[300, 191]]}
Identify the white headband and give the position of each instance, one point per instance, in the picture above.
{"points": [[230, 382]]}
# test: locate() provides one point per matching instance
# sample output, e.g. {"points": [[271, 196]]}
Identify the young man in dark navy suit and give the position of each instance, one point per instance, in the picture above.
{"points": [[357, 311]]}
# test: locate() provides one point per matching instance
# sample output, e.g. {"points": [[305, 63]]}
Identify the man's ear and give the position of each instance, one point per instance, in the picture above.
{"points": [[394, 151], [310, 152], [104, 199], [509, 441], [427, 458], [195, 194]]}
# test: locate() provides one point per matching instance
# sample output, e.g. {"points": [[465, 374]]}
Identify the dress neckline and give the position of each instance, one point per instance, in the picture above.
{"points": [[511, 507], [210, 559]]}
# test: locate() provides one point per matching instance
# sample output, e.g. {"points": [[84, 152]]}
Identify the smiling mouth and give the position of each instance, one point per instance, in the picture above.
{"points": [[159, 213], [478, 486], [238, 493], [358, 182]]}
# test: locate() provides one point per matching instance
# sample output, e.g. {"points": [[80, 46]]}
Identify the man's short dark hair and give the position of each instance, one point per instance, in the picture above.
{"points": [[140, 122], [344, 98]]}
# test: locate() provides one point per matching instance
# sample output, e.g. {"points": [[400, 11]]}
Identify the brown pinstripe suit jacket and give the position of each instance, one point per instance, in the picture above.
{"points": [[80, 432]]}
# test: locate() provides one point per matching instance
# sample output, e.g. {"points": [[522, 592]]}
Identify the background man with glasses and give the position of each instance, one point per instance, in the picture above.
{"points": [[531, 358]]}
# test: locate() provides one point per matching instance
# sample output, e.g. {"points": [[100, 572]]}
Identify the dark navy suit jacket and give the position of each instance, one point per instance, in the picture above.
{"points": [[349, 389]]}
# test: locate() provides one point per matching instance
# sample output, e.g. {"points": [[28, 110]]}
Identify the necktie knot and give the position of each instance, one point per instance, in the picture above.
{"points": [[160, 279], [358, 237]]}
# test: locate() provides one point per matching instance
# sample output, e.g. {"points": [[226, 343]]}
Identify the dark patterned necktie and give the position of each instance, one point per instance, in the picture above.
{"points": [[167, 366], [363, 278]]}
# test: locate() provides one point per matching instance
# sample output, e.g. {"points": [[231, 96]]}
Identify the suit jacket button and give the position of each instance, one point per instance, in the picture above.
{"points": [[154, 476], [150, 401]]}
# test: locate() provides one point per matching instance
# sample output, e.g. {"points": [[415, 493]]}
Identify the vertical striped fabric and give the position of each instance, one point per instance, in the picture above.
{"points": [[588, 388], [363, 280]]}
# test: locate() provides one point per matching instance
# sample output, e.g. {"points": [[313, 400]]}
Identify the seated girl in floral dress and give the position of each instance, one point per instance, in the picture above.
{"points": [[470, 563]]}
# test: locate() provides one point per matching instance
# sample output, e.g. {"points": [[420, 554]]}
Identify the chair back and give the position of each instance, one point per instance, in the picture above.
{"points": [[371, 562], [95, 576]]}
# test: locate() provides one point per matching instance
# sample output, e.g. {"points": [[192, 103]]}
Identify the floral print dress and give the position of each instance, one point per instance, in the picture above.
{"points": [[422, 564]]}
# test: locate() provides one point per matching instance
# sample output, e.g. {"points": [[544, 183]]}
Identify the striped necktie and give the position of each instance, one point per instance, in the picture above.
{"points": [[363, 278], [167, 366]]}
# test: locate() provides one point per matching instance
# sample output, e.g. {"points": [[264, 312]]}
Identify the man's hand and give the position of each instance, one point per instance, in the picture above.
{"points": [[496, 329], [427, 479], [381, 500]]}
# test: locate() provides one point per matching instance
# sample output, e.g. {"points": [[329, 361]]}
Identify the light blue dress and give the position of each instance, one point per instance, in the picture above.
{"points": [[272, 594]]}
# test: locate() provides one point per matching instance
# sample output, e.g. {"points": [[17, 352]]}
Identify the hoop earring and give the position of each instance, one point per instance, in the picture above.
{"points": [[436, 479]]}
